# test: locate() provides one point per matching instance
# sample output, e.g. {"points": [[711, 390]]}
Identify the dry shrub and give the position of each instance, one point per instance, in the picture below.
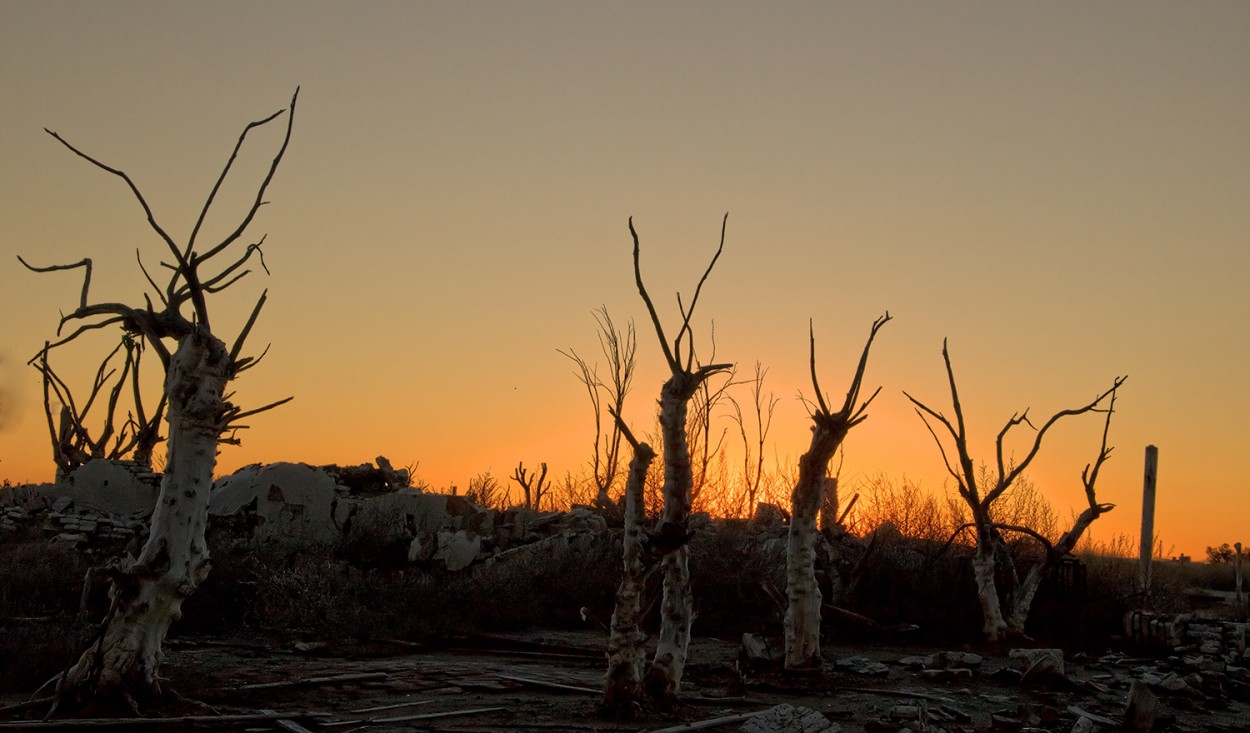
{"points": [[729, 566], [40, 578], [40, 587], [902, 504]]}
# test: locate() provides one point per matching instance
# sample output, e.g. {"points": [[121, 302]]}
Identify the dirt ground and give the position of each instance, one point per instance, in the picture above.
{"points": [[511, 682]]}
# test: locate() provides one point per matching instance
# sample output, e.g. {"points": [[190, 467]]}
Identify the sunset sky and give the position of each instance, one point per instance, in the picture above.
{"points": [[1060, 189]]}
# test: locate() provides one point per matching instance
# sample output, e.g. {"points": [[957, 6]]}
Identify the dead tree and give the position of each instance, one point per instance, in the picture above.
{"points": [[704, 444], [980, 496], [534, 487], [1022, 597], [802, 621], [663, 679], [753, 460], [74, 442], [619, 348], [626, 655], [147, 592]]}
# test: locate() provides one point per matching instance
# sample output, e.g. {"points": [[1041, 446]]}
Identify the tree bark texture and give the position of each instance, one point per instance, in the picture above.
{"points": [[626, 656], [983, 567], [802, 621], [148, 592], [1022, 604], [663, 681]]}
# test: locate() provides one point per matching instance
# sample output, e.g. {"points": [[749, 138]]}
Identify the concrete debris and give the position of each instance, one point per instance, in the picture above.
{"points": [[366, 512], [294, 502], [862, 666], [1142, 712], [113, 487], [755, 653], [787, 718], [457, 549], [1040, 666]]}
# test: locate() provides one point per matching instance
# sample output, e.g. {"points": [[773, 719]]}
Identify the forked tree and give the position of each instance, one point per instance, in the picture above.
{"points": [[626, 656], [533, 487], [76, 437], [147, 592], [829, 429], [686, 374], [980, 495], [1022, 596]]}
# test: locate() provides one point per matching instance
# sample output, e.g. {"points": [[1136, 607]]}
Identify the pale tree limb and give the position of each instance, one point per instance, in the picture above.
{"points": [[148, 590], [802, 619], [980, 493], [663, 679], [626, 653]]}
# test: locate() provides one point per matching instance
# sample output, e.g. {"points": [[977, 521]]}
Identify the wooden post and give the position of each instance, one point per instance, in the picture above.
{"points": [[1239, 601], [1148, 516]]}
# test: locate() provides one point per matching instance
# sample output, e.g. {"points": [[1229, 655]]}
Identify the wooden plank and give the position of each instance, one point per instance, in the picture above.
{"points": [[133, 723], [315, 681], [550, 685], [380, 708], [431, 716], [286, 724], [710, 723]]}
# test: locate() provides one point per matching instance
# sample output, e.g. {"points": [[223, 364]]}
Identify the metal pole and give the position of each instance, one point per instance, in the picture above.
{"points": [[1148, 517]]}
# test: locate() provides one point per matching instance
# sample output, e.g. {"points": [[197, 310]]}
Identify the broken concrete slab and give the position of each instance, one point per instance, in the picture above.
{"points": [[294, 501], [113, 487], [457, 549], [787, 718], [1040, 666]]}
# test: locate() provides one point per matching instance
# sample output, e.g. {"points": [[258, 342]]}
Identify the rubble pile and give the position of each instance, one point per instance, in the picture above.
{"points": [[85, 523], [366, 512]]}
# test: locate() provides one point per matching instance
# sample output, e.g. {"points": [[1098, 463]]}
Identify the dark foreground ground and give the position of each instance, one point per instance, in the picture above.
{"points": [[549, 681]]}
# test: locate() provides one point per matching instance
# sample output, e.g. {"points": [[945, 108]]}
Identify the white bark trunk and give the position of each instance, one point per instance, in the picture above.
{"points": [[1027, 591], [802, 621], [987, 591], [663, 680], [626, 656], [147, 594]]}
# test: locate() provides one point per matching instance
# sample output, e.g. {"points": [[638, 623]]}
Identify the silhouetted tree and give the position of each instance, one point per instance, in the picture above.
{"points": [[74, 442], [626, 655], [147, 592], [802, 621], [753, 439], [686, 375], [981, 495], [619, 348], [533, 487]]}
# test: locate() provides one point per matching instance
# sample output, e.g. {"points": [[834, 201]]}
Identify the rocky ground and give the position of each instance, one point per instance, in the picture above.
{"points": [[549, 681]]}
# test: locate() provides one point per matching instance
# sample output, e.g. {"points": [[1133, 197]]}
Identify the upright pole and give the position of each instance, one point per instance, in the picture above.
{"points": [[1148, 517], [1239, 599]]}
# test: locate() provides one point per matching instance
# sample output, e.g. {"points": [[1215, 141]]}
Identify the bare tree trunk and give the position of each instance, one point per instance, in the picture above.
{"points": [[677, 606], [802, 621], [983, 564], [1027, 591], [148, 593], [626, 656], [980, 492], [663, 680]]}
